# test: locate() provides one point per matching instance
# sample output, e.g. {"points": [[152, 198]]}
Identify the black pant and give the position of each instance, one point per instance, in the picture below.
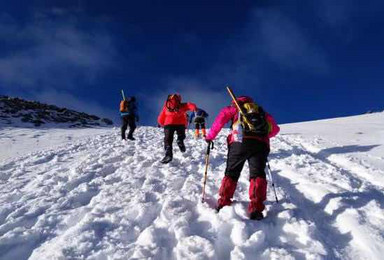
{"points": [[169, 131], [198, 125], [128, 120], [251, 150], [199, 122]]}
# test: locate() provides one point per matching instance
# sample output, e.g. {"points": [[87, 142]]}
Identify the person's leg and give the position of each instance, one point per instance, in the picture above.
{"points": [[180, 131], [124, 125], [169, 131], [235, 163], [168, 140], [197, 128], [258, 183], [203, 129], [132, 127]]}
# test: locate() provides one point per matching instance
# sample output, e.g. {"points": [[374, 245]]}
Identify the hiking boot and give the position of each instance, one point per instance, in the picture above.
{"points": [[166, 159], [131, 138], [168, 155], [197, 134], [256, 215], [181, 146], [204, 132]]}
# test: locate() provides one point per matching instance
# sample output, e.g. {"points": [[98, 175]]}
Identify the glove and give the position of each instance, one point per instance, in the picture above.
{"points": [[208, 140], [210, 144]]}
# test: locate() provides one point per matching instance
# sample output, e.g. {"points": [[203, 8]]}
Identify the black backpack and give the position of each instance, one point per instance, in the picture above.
{"points": [[257, 118]]}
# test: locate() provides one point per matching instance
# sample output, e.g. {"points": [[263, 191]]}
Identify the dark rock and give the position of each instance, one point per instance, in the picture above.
{"points": [[107, 121], [38, 122], [38, 114]]}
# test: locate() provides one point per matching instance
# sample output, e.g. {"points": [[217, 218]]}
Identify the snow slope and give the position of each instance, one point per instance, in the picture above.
{"points": [[95, 197], [19, 141]]}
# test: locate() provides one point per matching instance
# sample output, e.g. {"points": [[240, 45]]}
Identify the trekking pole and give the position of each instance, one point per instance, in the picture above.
{"points": [[249, 124], [122, 93], [209, 147], [273, 183]]}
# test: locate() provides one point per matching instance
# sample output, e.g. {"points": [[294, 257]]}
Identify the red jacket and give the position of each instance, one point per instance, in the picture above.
{"points": [[175, 118]]}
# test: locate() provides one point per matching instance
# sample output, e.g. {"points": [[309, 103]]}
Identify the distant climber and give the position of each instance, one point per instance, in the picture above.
{"points": [[129, 117], [198, 119]]}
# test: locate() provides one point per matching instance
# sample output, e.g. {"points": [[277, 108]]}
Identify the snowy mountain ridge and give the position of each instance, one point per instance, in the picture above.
{"points": [[88, 195], [20, 112]]}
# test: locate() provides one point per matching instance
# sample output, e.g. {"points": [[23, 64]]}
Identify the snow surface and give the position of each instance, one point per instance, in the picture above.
{"points": [[21, 140], [85, 194]]}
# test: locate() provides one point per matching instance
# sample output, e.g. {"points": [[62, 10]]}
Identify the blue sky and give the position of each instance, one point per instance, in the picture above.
{"points": [[301, 60]]}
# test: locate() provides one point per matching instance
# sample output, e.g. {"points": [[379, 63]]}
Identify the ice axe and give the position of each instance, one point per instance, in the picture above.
{"points": [[209, 147], [246, 121], [122, 93]]}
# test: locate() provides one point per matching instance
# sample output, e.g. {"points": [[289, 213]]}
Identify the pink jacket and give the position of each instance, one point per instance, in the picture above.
{"points": [[231, 113]]}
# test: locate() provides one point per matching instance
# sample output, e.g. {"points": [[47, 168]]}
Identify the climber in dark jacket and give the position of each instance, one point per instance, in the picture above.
{"points": [[129, 117]]}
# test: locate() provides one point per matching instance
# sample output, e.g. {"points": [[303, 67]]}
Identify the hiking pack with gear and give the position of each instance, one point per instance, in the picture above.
{"points": [[256, 117], [199, 113], [124, 106], [123, 103], [248, 140], [251, 119]]}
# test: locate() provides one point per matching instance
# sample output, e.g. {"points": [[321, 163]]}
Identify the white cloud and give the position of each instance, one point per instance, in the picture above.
{"points": [[52, 53], [286, 43], [49, 56]]}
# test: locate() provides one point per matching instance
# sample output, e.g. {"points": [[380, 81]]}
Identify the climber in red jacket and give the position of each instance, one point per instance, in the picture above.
{"points": [[173, 118]]}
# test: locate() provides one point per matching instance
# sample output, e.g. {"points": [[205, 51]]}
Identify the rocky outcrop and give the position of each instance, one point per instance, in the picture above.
{"points": [[19, 111]]}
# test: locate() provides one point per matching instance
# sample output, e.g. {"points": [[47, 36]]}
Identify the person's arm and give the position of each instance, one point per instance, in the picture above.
{"points": [[191, 106], [161, 117], [274, 129], [225, 115]]}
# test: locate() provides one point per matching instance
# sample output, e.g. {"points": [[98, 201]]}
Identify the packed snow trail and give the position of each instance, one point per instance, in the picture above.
{"points": [[100, 198]]}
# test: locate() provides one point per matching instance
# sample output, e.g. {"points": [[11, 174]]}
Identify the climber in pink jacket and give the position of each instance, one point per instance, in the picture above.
{"points": [[245, 143]]}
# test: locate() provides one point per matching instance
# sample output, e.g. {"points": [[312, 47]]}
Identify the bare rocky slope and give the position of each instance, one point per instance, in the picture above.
{"points": [[17, 111]]}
